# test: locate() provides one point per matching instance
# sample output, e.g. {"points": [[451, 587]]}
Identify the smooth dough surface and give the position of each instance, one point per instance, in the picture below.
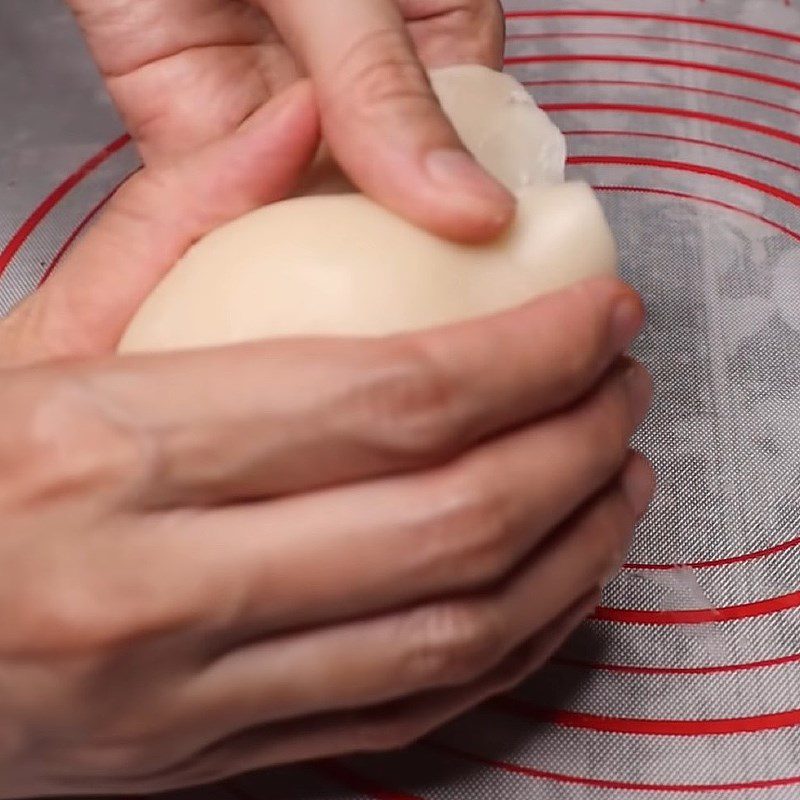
{"points": [[332, 262]]}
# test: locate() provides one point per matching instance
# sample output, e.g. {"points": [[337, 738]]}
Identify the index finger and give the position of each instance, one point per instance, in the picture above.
{"points": [[383, 121], [275, 418]]}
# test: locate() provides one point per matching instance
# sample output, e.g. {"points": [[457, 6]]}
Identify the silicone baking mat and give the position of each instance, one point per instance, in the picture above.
{"points": [[686, 116]]}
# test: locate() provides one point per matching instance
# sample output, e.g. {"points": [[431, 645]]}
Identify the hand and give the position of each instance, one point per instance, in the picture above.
{"points": [[225, 560], [185, 72], [340, 547]]}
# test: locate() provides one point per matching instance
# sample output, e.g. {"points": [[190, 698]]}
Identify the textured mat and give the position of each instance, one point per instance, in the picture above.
{"points": [[686, 116]]}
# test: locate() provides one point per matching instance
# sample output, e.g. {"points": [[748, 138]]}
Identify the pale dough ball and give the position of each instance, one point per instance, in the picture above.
{"points": [[332, 262]]}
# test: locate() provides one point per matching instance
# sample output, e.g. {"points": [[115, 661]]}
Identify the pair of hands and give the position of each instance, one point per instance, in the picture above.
{"points": [[220, 561]]}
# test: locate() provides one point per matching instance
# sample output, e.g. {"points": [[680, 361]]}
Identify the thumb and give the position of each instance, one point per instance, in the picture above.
{"points": [[153, 219], [382, 120]]}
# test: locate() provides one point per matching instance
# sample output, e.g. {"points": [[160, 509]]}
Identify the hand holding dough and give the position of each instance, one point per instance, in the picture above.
{"points": [[332, 262]]}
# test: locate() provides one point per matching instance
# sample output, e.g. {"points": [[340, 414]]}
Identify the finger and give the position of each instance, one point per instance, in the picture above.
{"points": [[447, 32], [382, 120], [183, 74], [389, 727], [148, 225], [462, 531], [358, 409], [447, 643], [454, 530]]}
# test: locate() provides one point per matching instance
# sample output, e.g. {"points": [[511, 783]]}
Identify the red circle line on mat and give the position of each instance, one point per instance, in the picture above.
{"points": [[790, 544], [672, 63], [648, 727], [77, 232], [699, 616], [54, 198], [632, 669], [675, 87], [654, 17], [695, 169], [685, 140], [683, 113], [633, 37], [699, 199], [600, 783]]}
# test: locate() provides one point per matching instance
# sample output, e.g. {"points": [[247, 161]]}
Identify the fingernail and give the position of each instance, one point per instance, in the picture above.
{"points": [[638, 484], [639, 386], [627, 321], [458, 171]]}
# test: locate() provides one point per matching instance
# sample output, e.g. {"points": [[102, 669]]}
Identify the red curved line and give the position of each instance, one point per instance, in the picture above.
{"points": [[649, 727], [524, 37], [695, 169], [699, 616], [628, 669], [686, 140], [683, 113], [681, 87], [706, 200], [337, 772], [699, 66], [54, 198], [599, 783], [652, 17], [689, 617], [77, 232], [720, 562]]}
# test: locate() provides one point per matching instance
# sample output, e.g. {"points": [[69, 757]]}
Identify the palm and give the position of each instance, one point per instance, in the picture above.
{"points": [[214, 62]]}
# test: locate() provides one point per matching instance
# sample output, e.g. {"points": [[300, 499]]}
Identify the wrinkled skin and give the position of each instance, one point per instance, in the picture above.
{"points": [[220, 561], [184, 72]]}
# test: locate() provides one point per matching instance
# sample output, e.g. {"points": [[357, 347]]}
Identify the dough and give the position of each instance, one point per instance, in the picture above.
{"points": [[332, 262]]}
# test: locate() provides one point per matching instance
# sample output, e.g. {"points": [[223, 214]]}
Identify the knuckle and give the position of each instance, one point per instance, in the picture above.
{"points": [[411, 405], [476, 30], [72, 625], [379, 72], [63, 616], [84, 615], [80, 440], [454, 643], [469, 533]]}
